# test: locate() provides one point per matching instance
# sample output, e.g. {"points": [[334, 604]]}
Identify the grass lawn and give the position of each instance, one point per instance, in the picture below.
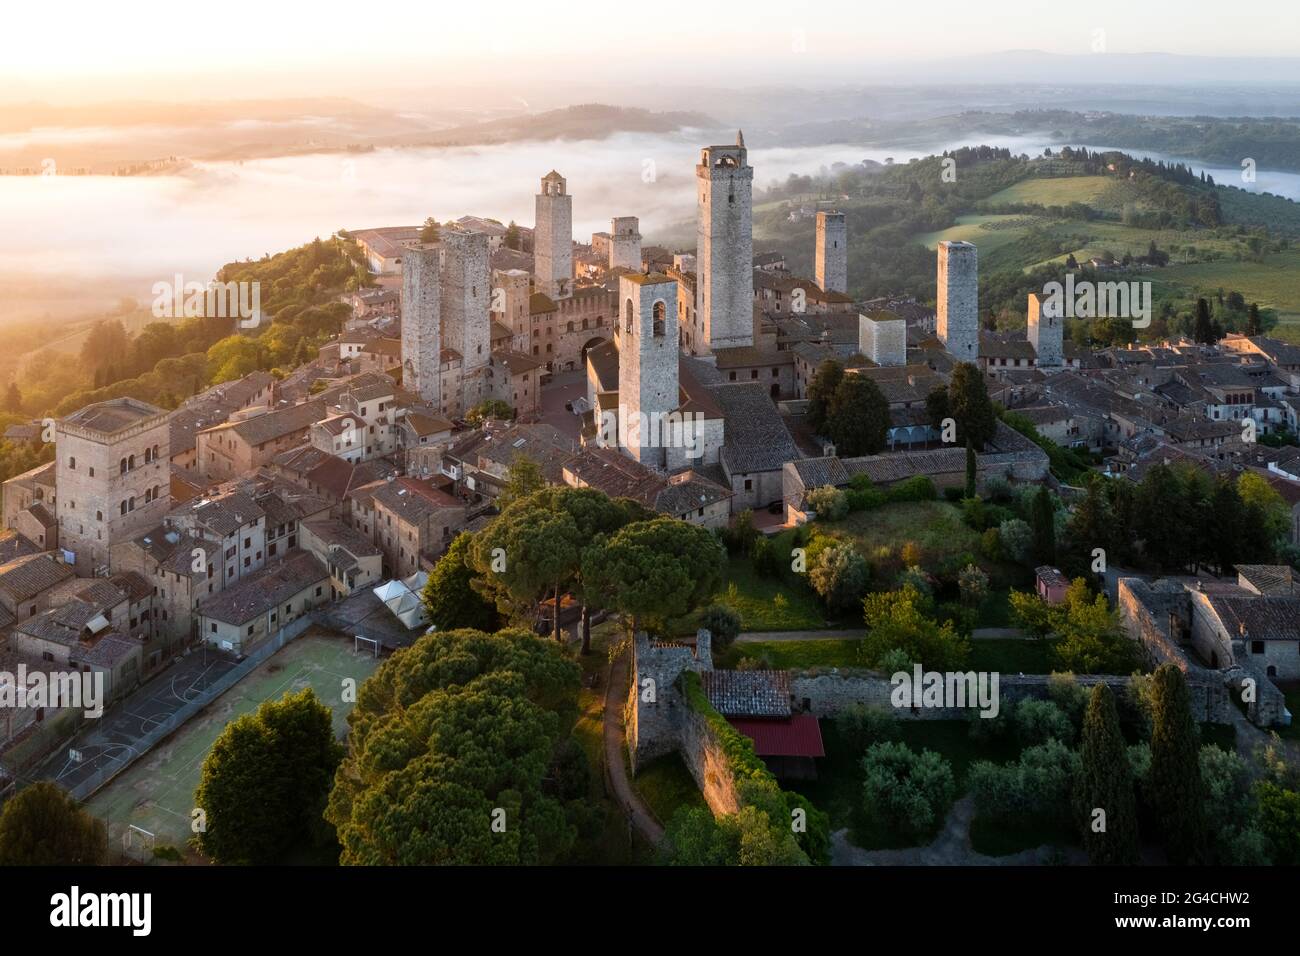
{"points": [[936, 526], [794, 655], [996, 609], [1012, 656], [1270, 282], [666, 785], [768, 604]]}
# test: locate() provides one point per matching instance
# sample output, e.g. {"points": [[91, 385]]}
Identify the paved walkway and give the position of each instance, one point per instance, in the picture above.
{"points": [[615, 767], [950, 848]]}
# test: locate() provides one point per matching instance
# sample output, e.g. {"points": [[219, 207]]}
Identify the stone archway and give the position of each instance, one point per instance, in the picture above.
{"points": [[590, 344]]}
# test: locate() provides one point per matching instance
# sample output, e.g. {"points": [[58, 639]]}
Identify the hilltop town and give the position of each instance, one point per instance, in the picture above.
{"points": [[880, 450]]}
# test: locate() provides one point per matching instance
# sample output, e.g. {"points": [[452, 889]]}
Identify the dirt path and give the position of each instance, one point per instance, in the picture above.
{"points": [[638, 813], [950, 848]]}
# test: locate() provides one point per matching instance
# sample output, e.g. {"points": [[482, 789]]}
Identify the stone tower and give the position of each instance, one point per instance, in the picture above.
{"points": [[510, 307], [724, 285], [421, 331], [553, 238], [647, 362], [958, 321], [1046, 333], [832, 252], [882, 337], [112, 472], [625, 243], [465, 299]]}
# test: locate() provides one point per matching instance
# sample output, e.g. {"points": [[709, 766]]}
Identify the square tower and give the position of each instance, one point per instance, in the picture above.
{"points": [[882, 337], [958, 320], [1046, 333], [421, 331], [832, 252], [510, 289], [553, 238], [464, 299], [647, 363], [724, 251], [113, 475], [625, 243]]}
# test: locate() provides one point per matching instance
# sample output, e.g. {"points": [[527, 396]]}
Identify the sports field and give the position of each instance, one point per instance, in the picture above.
{"points": [[157, 793]]}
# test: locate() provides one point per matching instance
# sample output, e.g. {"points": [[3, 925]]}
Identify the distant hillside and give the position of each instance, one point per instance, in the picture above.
{"points": [[588, 121]]}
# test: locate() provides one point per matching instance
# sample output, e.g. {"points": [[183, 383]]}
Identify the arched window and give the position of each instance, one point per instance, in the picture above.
{"points": [[155, 452], [72, 463], [569, 328], [123, 507], [121, 467], [627, 315], [660, 310], [130, 462], [147, 456]]}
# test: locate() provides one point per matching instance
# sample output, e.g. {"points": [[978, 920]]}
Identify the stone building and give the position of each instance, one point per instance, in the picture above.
{"points": [[421, 325], [958, 323], [882, 337], [832, 257], [647, 368], [464, 301], [113, 472], [553, 238], [411, 521], [725, 247], [625, 243], [1046, 333]]}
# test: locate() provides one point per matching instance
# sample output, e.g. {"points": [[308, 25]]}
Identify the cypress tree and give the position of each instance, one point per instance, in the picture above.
{"points": [[1105, 782], [1175, 779]]}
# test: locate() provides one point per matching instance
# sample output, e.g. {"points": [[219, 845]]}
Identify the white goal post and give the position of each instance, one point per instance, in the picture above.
{"points": [[371, 643]]}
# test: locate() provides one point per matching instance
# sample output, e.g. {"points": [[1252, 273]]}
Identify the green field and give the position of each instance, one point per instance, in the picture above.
{"points": [[1271, 282], [157, 793], [768, 604], [987, 232], [1055, 192]]}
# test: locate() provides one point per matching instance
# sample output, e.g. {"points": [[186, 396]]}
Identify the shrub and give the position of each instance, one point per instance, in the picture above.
{"points": [[972, 512], [895, 660], [839, 576], [1017, 540], [865, 499], [1038, 784], [723, 624], [905, 790], [764, 557], [991, 544], [912, 554], [915, 577], [917, 488], [861, 726], [997, 488], [829, 502], [974, 585], [1038, 721]]}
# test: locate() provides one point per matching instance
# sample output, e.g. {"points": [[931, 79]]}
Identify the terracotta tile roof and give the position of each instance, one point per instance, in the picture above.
{"points": [[748, 693]]}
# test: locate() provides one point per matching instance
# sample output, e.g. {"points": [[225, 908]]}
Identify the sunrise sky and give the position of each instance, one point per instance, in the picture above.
{"points": [[163, 50]]}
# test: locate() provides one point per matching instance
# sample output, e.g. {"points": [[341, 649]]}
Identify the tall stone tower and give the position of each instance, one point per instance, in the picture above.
{"points": [[1046, 333], [958, 321], [625, 243], [647, 362], [510, 307], [832, 252], [421, 324], [724, 285], [553, 238], [465, 301]]}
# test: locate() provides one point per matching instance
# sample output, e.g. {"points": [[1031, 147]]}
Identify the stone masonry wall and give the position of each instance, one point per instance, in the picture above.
{"points": [[957, 323]]}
